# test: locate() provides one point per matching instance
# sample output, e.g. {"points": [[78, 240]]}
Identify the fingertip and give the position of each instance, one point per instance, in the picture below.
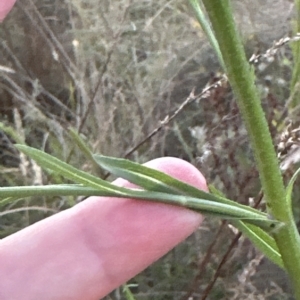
{"points": [[179, 169], [5, 7]]}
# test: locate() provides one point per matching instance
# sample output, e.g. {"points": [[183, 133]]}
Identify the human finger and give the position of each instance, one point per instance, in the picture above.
{"points": [[5, 7], [87, 251]]}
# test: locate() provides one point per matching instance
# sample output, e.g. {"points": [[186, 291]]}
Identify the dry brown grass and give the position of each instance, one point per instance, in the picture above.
{"points": [[114, 71]]}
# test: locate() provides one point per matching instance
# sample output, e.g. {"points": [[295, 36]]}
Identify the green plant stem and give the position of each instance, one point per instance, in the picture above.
{"points": [[294, 87], [242, 79]]}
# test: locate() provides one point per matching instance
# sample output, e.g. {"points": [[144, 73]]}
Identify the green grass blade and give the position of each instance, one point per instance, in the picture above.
{"points": [[149, 179], [8, 199], [127, 293], [11, 132], [228, 210], [153, 180], [262, 240], [204, 22], [289, 188], [9, 194], [81, 144], [66, 170], [221, 210], [75, 136]]}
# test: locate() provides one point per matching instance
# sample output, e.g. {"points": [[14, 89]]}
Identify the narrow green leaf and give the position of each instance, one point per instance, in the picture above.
{"points": [[289, 188], [8, 200], [197, 204], [149, 179], [215, 191], [221, 210], [127, 292], [262, 240], [153, 180], [205, 25], [11, 132], [81, 144], [85, 151], [11, 193], [66, 170], [228, 209]]}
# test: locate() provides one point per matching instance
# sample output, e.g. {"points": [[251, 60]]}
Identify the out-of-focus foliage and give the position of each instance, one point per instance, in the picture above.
{"points": [[114, 70]]}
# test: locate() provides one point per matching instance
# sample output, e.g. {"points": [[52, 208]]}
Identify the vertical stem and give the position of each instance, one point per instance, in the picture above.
{"points": [[296, 57], [242, 79]]}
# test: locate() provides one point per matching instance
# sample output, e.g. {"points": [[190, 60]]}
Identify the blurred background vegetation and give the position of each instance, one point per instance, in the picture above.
{"points": [[114, 70]]}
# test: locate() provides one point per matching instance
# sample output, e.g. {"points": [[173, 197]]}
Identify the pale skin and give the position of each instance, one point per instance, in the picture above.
{"points": [[87, 251]]}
